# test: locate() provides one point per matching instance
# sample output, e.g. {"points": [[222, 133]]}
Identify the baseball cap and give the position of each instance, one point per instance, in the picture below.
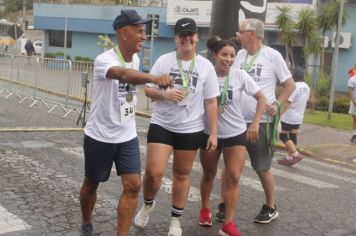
{"points": [[128, 17], [185, 24]]}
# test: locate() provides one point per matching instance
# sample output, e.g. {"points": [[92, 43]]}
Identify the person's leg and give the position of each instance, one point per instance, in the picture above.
{"points": [[182, 167], [156, 166], [284, 137], [353, 139], [268, 184], [234, 158], [127, 203], [209, 162], [88, 199], [261, 161]]}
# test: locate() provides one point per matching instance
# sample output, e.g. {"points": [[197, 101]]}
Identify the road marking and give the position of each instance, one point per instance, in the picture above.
{"points": [[10, 222], [301, 179]]}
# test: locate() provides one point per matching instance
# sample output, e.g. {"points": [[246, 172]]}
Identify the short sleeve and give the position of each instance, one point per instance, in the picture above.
{"points": [[282, 72], [211, 85], [102, 64]]}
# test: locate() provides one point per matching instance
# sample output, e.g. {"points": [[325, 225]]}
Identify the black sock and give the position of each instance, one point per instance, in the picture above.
{"points": [[148, 202]]}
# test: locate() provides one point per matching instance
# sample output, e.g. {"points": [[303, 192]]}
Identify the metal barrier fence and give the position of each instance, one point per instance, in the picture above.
{"points": [[56, 83]]}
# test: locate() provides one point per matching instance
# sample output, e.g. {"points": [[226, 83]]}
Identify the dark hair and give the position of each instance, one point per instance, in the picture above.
{"points": [[215, 44], [298, 74]]}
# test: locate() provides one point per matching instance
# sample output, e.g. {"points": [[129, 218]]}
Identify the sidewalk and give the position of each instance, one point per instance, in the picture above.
{"points": [[326, 143]]}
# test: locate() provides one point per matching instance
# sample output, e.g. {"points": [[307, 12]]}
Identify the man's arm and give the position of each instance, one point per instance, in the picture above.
{"points": [[289, 87], [136, 77]]}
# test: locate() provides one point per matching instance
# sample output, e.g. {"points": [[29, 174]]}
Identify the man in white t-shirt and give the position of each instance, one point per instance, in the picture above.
{"points": [[351, 93], [110, 134], [292, 118], [267, 67]]}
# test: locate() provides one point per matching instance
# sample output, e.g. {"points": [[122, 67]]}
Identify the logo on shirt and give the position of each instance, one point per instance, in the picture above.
{"points": [[255, 72]]}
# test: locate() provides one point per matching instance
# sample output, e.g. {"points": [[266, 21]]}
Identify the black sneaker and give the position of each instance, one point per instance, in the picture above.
{"points": [[220, 213], [353, 139], [266, 215], [86, 230]]}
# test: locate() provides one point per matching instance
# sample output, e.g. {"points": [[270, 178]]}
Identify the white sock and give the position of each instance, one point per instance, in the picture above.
{"points": [[289, 157], [295, 154]]}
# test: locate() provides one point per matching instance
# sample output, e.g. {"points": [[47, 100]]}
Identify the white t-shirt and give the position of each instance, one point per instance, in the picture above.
{"points": [[267, 69], [231, 122], [352, 84], [109, 96], [187, 115], [298, 102]]}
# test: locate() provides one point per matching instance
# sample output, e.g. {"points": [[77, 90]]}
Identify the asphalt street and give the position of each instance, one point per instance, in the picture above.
{"points": [[41, 173]]}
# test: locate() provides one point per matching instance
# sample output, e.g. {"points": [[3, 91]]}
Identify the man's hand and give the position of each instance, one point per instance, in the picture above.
{"points": [[212, 143], [271, 109], [163, 81], [252, 132]]}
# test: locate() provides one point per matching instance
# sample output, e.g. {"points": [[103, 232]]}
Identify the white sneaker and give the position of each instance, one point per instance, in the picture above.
{"points": [[142, 217], [175, 229]]}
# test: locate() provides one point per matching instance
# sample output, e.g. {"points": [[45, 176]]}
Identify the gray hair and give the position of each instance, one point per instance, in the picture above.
{"points": [[255, 25]]}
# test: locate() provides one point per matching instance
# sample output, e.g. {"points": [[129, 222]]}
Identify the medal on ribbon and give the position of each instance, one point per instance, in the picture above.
{"points": [[223, 95], [186, 76]]}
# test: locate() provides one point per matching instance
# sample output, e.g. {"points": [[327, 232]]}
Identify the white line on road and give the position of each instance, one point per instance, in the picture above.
{"points": [[10, 222]]}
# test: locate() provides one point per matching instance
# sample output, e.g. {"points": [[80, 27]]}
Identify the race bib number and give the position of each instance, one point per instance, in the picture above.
{"points": [[127, 111]]}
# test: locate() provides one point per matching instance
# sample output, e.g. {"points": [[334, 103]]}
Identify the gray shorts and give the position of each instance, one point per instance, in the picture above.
{"points": [[259, 151]]}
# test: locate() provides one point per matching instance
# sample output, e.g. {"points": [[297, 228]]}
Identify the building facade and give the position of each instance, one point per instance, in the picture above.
{"points": [[84, 23]]}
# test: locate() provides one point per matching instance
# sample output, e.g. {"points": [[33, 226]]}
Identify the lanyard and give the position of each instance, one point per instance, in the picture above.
{"points": [[224, 90], [247, 66], [122, 62], [185, 76]]}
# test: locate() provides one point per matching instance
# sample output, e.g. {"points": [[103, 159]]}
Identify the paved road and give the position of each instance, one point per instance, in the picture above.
{"points": [[41, 173]]}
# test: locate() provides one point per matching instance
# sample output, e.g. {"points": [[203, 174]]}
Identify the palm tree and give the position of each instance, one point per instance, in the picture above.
{"points": [[327, 19], [286, 25]]}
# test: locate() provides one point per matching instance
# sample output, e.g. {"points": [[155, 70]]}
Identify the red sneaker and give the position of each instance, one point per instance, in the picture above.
{"points": [[229, 229], [205, 217], [285, 162], [296, 159]]}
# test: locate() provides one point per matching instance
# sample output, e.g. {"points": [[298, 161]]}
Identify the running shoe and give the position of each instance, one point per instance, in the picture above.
{"points": [[353, 139], [86, 230], [296, 159], [285, 161], [205, 217], [266, 215], [220, 213], [175, 229], [142, 217], [229, 229]]}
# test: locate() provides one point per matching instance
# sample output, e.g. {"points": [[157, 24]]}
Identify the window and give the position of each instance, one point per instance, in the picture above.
{"points": [[56, 38]]}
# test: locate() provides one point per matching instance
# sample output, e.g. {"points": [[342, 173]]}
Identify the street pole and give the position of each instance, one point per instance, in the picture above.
{"points": [[335, 60], [24, 5], [65, 29]]}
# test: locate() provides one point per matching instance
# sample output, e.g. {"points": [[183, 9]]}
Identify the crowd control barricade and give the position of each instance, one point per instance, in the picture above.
{"points": [[56, 83]]}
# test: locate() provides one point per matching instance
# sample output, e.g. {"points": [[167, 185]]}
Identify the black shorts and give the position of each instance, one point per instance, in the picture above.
{"points": [[179, 141], [238, 140], [289, 127], [99, 158]]}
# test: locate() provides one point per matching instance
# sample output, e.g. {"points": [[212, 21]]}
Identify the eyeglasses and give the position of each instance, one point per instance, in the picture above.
{"points": [[243, 31]]}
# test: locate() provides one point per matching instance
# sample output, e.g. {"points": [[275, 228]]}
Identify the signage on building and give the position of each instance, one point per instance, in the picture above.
{"points": [[200, 11]]}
